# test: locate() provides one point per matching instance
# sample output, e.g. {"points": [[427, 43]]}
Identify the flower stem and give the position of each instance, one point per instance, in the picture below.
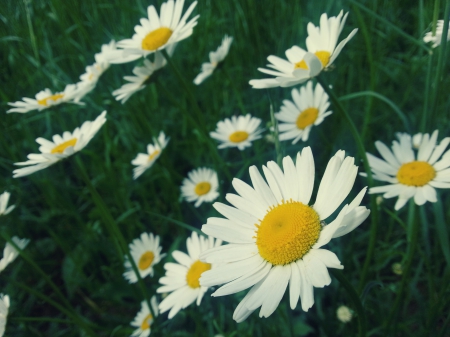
{"points": [[236, 91]]}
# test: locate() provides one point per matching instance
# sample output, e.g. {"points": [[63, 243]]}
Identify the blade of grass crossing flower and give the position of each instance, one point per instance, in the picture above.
{"points": [[437, 4], [275, 136]]}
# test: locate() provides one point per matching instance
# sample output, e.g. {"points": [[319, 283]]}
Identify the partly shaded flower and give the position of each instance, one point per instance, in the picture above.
{"points": [[4, 198], [144, 319], [4, 308], [144, 161], [60, 148], [182, 278], [276, 237], [200, 186], [10, 253], [437, 37]]}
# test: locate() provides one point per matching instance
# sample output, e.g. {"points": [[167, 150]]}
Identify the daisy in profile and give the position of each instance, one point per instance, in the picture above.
{"points": [[411, 175], [237, 132], [157, 32], [60, 148], [200, 186], [144, 319], [276, 235], [146, 252], [4, 308], [297, 117], [437, 37], [10, 253], [4, 198], [215, 57], [182, 278], [144, 161]]}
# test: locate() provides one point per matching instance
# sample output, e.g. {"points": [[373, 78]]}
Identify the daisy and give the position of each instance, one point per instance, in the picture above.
{"points": [[215, 57], [4, 198], [60, 148], [344, 314], [4, 307], [144, 161], [146, 252], [307, 109], [437, 38], [237, 132], [10, 253], [144, 319], [158, 32], [408, 174], [182, 278], [200, 186], [276, 238]]}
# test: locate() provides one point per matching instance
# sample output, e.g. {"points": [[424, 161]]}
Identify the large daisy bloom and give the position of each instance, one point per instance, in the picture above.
{"points": [[157, 32], [4, 198], [215, 57], [276, 237], [146, 252], [411, 175], [237, 132], [144, 319], [200, 186], [308, 108], [10, 253], [182, 278], [60, 147], [144, 161], [4, 307], [437, 38]]}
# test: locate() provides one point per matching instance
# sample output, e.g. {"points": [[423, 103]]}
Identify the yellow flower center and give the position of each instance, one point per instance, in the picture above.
{"points": [[202, 188], [153, 155], [238, 136], [416, 173], [323, 56], [307, 117], [61, 147], [146, 260], [156, 39], [194, 273], [146, 322], [54, 97], [287, 232]]}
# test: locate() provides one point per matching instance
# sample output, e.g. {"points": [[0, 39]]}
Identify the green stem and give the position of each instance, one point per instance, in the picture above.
{"points": [[40, 319], [435, 16], [275, 135], [235, 90], [426, 108]]}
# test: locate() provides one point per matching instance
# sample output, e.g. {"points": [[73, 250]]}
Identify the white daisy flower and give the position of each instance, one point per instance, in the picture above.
{"points": [[437, 38], [215, 57], [4, 198], [237, 132], [157, 32], [408, 174], [10, 253], [182, 278], [146, 252], [200, 186], [60, 148], [276, 238], [4, 308], [144, 319], [344, 314], [144, 161], [307, 109]]}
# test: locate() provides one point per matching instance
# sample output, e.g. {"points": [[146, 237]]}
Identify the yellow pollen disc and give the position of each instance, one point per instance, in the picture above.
{"points": [[238, 136], [61, 147], [146, 322], [153, 155], [416, 173], [146, 260], [287, 232], [202, 188], [156, 38], [54, 97], [323, 56], [307, 117], [194, 273]]}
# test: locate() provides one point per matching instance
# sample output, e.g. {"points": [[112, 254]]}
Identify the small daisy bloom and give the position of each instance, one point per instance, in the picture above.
{"points": [[182, 278], [276, 237], [344, 314], [307, 109], [10, 253], [200, 186], [237, 132], [157, 32], [4, 198], [215, 57], [144, 161], [146, 252], [144, 319], [60, 148], [4, 307], [101, 64], [411, 175], [437, 38]]}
